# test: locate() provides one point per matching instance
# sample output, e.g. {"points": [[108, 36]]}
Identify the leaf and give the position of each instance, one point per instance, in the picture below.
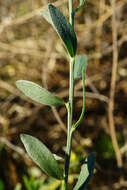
{"points": [[51, 185], [39, 94], [84, 101], [64, 30], [42, 156], [86, 172], [28, 183], [82, 2], [57, 157], [80, 63], [47, 16], [1, 185]]}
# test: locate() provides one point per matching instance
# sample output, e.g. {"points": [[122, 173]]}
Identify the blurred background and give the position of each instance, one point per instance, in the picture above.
{"points": [[30, 49]]}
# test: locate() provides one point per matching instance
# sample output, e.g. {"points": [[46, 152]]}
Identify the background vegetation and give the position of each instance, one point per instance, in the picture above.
{"points": [[30, 49]]}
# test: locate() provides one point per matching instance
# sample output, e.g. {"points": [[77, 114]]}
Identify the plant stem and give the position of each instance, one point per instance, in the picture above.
{"points": [[71, 89], [84, 101], [70, 117], [71, 11], [69, 105]]}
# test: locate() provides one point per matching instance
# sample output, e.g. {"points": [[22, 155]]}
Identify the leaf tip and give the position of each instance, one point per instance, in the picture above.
{"points": [[22, 136], [50, 6], [18, 82]]}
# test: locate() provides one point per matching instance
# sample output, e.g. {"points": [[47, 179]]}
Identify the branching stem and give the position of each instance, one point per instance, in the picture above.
{"points": [[69, 105], [70, 117]]}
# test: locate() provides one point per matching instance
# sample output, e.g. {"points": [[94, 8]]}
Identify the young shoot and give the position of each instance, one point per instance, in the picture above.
{"points": [[38, 152]]}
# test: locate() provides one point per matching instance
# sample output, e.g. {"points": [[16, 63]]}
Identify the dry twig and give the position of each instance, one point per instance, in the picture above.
{"points": [[112, 88]]}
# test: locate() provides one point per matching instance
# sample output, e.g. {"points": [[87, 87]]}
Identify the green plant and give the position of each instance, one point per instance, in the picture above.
{"points": [[32, 183], [39, 153], [1, 185]]}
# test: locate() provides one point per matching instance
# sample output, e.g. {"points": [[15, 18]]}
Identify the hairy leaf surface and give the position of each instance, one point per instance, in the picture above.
{"points": [[80, 63], [47, 16], [38, 94], [42, 156], [64, 30]]}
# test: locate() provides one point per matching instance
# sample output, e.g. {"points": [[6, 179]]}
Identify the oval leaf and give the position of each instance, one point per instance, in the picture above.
{"points": [[42, 156], [38, 94], [64, 30], [47, 16], [80, 63], [86, 172]]}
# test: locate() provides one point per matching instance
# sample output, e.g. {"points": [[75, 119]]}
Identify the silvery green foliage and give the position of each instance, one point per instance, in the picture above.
{"points": [[38, 94], [38, 152], [47, 16], [80, 63], [42, 156], [62, 27]]}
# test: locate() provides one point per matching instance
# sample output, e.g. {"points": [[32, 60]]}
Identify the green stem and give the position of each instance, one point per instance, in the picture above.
{"points": [[84, 101], [67, 162], [70, 117], [71, 89], [69, 106], [71, 11]]}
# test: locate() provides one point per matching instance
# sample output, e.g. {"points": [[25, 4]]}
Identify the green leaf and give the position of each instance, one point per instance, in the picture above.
{"points": [[42, 156], [27, 183], [57, 157], [64, 30], [47, 16], [39, 94], [84, 103], [82, 2], [80, 63], [86, 172], [53, 184], [1, 185]]}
